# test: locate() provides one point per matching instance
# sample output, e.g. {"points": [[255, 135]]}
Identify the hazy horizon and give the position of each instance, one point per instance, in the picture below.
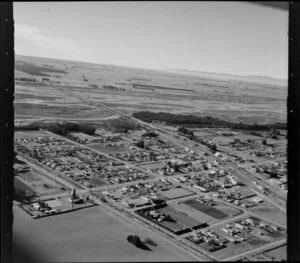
{"points": [[225, 37], [151, 69]]}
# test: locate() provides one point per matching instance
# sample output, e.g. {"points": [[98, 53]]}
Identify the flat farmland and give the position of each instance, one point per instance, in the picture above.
{"points": [[90, 234], [30, 135], [59, 111], [234, 98]]}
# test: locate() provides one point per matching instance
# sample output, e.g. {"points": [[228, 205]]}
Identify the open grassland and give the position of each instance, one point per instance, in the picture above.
{"points": [[50, 110], [131, 90], [87, 235]]}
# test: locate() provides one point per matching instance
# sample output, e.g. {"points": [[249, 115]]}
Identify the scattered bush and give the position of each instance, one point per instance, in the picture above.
{"points": [[136, 240], [140, 144]]}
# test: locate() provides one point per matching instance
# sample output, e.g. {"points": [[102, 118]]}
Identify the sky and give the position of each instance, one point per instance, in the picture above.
{"points": [[222, 37]]}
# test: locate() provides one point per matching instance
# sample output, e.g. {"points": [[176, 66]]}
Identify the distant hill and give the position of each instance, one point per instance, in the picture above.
{"points": [[201, 74], [230, 77]]}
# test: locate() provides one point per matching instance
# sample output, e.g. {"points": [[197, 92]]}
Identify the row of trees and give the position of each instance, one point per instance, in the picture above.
{"points": [[205, 121], [60, 128]]}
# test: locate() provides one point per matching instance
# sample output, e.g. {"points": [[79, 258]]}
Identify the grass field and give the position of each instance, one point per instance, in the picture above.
{"points": [[278, 254], [211, 211], [98, 182], [87, 235], [39, 184], [59, 111], [183, 221], [268, 211], [175, 193]]}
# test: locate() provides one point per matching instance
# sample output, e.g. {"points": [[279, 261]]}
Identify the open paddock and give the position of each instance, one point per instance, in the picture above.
{"points": [[183, 221], [88, 235], [98, 182], [190, 211], [40, 184], [206, 209], [169, 87], [270, 212], [175, 193], [21, 96], [53, 110], [277, 254], [30, 134]]}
